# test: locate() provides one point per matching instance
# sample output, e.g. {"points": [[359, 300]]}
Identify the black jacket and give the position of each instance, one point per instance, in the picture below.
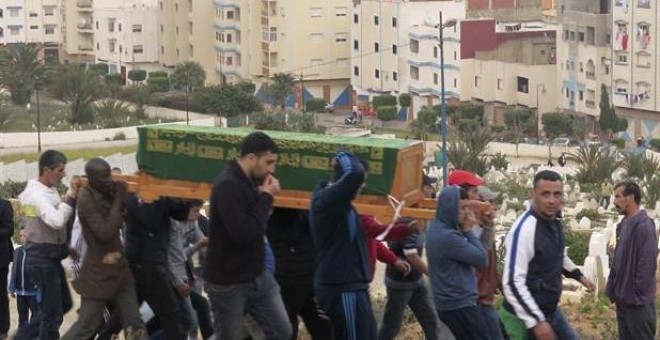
{"points": [[291, 241], [6, 232], [148, 229], [239, 213]]}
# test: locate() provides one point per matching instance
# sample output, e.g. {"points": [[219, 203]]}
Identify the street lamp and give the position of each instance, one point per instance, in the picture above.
{"points": [[538, 111], [36, 93], [443, 105]]}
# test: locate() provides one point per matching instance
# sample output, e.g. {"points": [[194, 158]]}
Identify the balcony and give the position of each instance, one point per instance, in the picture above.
{"points": [[590, 103], [84, 5], [590, 74], [85, 47], [85, 26]]}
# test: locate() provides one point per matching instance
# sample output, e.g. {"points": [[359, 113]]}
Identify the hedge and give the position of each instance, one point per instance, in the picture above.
{"points": [[383, 100], [315, 105], [387, 113], [405, 99], [137, 75], [158, 84]]}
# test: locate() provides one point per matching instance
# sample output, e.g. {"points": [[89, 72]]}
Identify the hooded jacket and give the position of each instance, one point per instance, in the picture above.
{"points": [[452, 256]]}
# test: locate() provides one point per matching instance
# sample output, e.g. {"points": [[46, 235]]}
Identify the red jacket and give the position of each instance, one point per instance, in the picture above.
{"points": [[376, 249]]}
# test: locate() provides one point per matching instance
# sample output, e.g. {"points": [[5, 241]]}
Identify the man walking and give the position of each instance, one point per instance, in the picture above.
{"points": [[6, 253], [46, 220], [105, 277], [235, 275], [535, 260], [342, 276], [631, 284]]}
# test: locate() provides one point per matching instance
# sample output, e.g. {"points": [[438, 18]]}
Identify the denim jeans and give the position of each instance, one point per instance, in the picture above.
{"points": [[260, 298], [188, 314], [636, 322], [492, 319], [54, 301], [419, 301]]}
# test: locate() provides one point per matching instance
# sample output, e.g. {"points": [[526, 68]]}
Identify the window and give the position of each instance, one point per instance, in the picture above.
{"points": [[341, 11], [111, 25], [394, 47], [455, 82], [356, 71], [229, 15], [14, 30], [316, 38], [435, 78], [414, 72], [376, 20], [138, 28], [376, 47], [49, 30], [217, 36], [414, 46], [523, 85], [97, 25], [111, 46], [565, 34], [121, 49], [176, 8], [119, 27], [13, 12], [622, 58], [160, 4], [581, 36], [581, 95], [97, 46], [500, 83], [608, 39], [341, 37], [1, 13], [356, 45], [49, 11], [34, 27], [176, 30], [162, 49], [177, 52], [476, 81], [377, 73], [315, 12], [571, 36], [192, 51], [229, 37], [355, 19], [621, 86], [435, 51], [393, 22], [190, 27], [643, 3], [33, 15], [162, 28], [395, 76], [455, 55], [229, 61]]}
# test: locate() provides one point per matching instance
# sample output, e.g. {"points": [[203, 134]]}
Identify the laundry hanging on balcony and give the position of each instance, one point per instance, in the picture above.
{"points": [[635, 98], [643, 36], [622, 38]]}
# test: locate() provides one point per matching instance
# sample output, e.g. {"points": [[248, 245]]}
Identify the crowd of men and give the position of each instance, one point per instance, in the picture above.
{"points": [[254, 270]]}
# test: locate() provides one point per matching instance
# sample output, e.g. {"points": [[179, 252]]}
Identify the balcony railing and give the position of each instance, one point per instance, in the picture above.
{"points": [[85, 47], [591, 74], [268, 36], [84, 4], [590, 103], [85, 26]]}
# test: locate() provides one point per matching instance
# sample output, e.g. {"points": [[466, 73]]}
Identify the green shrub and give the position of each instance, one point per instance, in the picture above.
{"points": [[655, 144], [315, 105], [158, 74], [387, 113], [100, 69], [177, 101], [497, 128], [137, 75], [158, 84], [578, 246], [499, 162], [383, 100], [592, 214], [119, 136], [405, 99], [114, 78], [619, 142]]}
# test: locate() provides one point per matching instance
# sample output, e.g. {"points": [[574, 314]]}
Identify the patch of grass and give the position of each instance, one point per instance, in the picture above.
{"points": [[72, 154]]}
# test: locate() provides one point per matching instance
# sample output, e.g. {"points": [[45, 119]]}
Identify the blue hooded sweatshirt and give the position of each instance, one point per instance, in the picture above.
{"points": [[452, 256]]}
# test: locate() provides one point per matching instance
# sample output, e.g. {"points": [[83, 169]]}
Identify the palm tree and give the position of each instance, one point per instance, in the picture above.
{"points": [[111, 111], [595, 163], [20, 67], [78, 87], [281, 88], [189, 75], [467, 151]]}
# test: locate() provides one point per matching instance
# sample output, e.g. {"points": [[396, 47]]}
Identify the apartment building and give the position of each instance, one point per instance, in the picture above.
{"points": [[185, 31], [126, 35], [394, 50], [635, 72], [305, 38], [32, 22], [78, 31], [509, 65], [583, 57]]}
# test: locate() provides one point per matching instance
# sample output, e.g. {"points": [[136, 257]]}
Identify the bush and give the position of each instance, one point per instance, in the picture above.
{"points": [[383, 100], [158, 74], [655, 144], [114, 78], [137, 75], [158, 84], [499, 162], [177, 101], [387, 113], [591, 214], [315, 105], [619, 142], [497, 128], [100, 69], [405, 99], [119, 136], [578, 246]]}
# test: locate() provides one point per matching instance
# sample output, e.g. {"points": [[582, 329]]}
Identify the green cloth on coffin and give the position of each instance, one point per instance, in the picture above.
{"points": [[199, 153]]}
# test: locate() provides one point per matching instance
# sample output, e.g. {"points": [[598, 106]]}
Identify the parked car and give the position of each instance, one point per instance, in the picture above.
{"points": [[561, 141]]}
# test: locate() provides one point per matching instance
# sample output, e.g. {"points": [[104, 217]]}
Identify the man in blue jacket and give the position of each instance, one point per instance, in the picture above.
{"points": [[453, 253], [342, 276], [631, 284]]}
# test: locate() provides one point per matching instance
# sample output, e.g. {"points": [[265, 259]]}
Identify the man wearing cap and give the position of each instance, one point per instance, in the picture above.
{"points": [[488, 279]]}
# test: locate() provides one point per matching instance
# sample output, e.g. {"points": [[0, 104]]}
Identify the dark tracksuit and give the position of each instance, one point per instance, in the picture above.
{"points": [[342, 276], [22, 285]]}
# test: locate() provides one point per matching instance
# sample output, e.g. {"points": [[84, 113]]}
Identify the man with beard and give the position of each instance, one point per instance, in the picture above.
{"points": [[631, 284]]}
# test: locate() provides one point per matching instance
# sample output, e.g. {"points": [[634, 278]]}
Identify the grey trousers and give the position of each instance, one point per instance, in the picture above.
{"points": [[91, 316]]}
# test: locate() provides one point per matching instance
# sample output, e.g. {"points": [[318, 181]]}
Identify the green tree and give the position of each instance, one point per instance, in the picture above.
{"points": [[280, 88], [467, 150], [426, 117], [141, 98], [304, 122], [101, 69], [273, 122], [111, 112], [189, 75], [137, 75], [20, 67], [387, 113], [608, 121], [315, 105], [383, 100], [78, 87], [520, 123], [158, 83], [228, 100], [595, 163], [405, 99]]}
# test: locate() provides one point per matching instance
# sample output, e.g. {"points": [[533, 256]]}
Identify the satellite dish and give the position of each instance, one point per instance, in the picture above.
{"points": [[431, 21]]}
